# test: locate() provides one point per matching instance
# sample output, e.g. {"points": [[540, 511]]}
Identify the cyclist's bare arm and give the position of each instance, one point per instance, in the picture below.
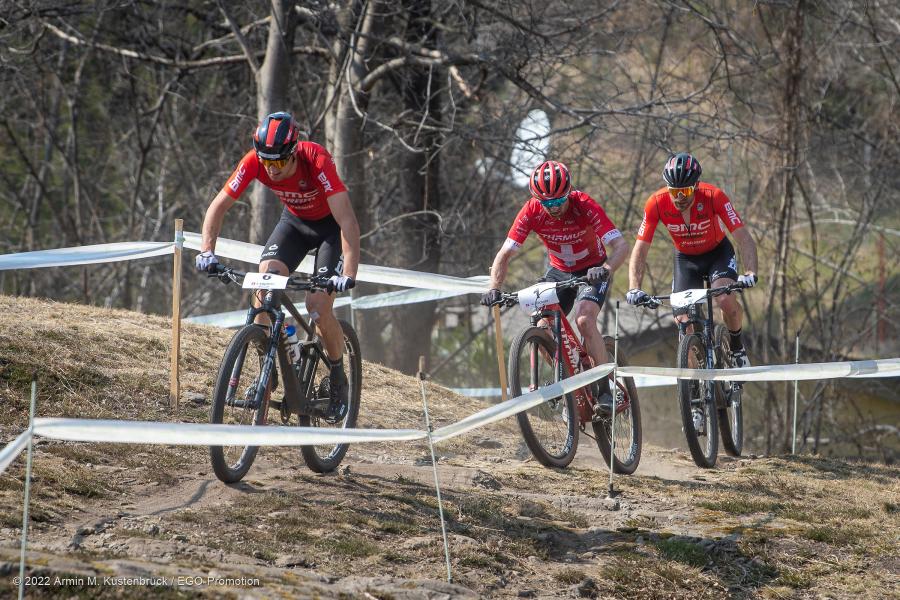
{"points": [[500, 265], [618, 251], [346, 219], [212, 222], [747, 248], [637, 263]]}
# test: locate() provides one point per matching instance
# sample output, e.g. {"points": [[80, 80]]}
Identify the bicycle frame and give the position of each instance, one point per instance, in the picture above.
{"points": [[569, 353], [298, 387]]}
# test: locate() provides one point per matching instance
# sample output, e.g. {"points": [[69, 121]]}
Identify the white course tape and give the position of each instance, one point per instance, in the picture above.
{"points": [[371, 273], [204, 434], [236, 318], [520, 403], [887, 367], [85, 255], [13, 449], [639, 382]]}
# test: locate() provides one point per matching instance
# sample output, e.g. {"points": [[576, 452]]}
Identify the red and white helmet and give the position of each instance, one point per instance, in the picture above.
{"points": [[550, 180]]}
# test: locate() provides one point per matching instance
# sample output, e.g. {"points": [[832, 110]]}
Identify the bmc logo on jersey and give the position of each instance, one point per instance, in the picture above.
{"points": [[235, 183], [323, 179], [732, 214], [684, 229]]}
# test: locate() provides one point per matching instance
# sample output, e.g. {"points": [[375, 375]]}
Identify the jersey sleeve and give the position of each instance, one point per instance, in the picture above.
{"points": [[326, 172], [521, 227], [725, 210], [650, 221], [243, 174], [600, 222]]}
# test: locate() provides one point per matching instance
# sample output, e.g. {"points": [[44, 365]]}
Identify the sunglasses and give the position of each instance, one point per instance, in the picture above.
{"points": [[554, 202], [274, 163], [687, 192]]}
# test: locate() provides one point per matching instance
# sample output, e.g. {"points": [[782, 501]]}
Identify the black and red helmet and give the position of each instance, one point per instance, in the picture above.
{"points": [[276, 137], [550, 180], [682, 170]]}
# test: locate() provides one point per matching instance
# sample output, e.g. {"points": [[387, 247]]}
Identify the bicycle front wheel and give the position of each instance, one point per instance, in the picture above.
{"points": [[731, 415], [628, 435], [698, 411], [550, 428], [326, 458], [238, 399]]}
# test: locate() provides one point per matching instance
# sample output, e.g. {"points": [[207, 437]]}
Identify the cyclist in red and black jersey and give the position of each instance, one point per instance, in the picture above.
{"points": [[692, 212], [317, 216], [576, 232]]}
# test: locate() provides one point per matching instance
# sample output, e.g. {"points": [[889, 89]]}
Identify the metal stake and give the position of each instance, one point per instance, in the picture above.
{"points": [[615, 405], [27, 486], [437, 483], [796, 361]]}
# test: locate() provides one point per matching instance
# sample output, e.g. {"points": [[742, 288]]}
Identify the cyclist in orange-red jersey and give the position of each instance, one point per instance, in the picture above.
{"points": [[317, 216], [693, 212]]}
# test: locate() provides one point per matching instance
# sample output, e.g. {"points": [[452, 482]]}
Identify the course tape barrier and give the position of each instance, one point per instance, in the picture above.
{"points": [[250, 253], [236, 318], [206, 434], [885, 367], [13, 449], [523, 402], [85, 255], [639, 382]]}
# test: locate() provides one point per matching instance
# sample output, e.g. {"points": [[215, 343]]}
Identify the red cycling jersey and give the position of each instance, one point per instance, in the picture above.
{"points": [[703, 232], [574, 241], [305, 192]]}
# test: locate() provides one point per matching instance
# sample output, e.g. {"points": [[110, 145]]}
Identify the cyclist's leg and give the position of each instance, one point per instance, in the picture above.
{"points": [[589, 301], [329, 262], [723, 272], [687, 275], [287, 245]]}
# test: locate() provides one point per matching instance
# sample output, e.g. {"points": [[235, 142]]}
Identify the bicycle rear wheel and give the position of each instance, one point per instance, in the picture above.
{"points": [[628, 421], [731, 415], [325, 458], [550, 428], [238, 399], [698, 416]]}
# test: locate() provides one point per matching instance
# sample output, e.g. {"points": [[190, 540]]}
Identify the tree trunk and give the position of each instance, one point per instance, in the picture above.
{"points": [[271, 96]]}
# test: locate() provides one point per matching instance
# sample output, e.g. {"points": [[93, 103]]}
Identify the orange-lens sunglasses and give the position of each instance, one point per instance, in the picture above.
{"points": [[274, 163], [687, 192]]}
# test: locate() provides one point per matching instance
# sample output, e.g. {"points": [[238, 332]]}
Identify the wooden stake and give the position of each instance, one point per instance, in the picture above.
{"points": [[498, 338], [174, 378]]}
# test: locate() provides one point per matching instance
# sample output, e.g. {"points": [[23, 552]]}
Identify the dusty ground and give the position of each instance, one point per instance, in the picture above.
{"points": [[775, 527]]}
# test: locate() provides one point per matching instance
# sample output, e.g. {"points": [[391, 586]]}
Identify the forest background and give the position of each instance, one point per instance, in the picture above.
{"points": [[120, 116]]}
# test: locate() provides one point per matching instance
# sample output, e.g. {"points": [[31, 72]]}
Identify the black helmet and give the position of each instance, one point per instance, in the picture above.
{"points": [[682, 170], [276, 137]]}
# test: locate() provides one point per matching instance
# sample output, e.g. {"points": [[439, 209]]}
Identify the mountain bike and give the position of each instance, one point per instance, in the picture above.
{"points": [[537, 358], [708, 408], [248, 376]]}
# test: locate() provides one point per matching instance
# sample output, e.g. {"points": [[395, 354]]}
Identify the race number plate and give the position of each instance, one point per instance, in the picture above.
{"points": [[264, 281], [687, 297], [538, 296]]}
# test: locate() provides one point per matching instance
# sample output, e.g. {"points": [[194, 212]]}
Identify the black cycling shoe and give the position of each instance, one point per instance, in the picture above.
{"points": [[339, 392], [603, 406]]}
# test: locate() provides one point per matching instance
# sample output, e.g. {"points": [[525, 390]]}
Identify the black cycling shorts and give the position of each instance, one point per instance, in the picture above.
{"points": [[293, 238], [594, 293], [690, 269]]}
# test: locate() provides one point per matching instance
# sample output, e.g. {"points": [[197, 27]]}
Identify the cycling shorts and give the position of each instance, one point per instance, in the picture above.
{"points": [[293, 238], [690, 269], [567, 298]]}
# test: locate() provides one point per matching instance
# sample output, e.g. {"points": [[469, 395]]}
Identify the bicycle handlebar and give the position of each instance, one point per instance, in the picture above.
{"points": [[295, 282], [512, 298], [654, 302]]}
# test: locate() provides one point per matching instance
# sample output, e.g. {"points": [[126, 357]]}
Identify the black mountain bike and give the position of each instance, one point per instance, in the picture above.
{"points": [[707, 407], [247, 377]]}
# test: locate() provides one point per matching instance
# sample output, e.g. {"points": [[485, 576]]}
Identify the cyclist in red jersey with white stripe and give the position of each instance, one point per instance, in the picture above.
{"points": [[692, 212], [317, 216], [575, 231]]}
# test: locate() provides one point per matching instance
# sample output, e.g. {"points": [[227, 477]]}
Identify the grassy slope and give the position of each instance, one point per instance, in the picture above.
{"points": [[773, 527]]}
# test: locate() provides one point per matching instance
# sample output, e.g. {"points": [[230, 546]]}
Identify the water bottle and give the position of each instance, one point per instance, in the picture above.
{"points": [[293, 343]]}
